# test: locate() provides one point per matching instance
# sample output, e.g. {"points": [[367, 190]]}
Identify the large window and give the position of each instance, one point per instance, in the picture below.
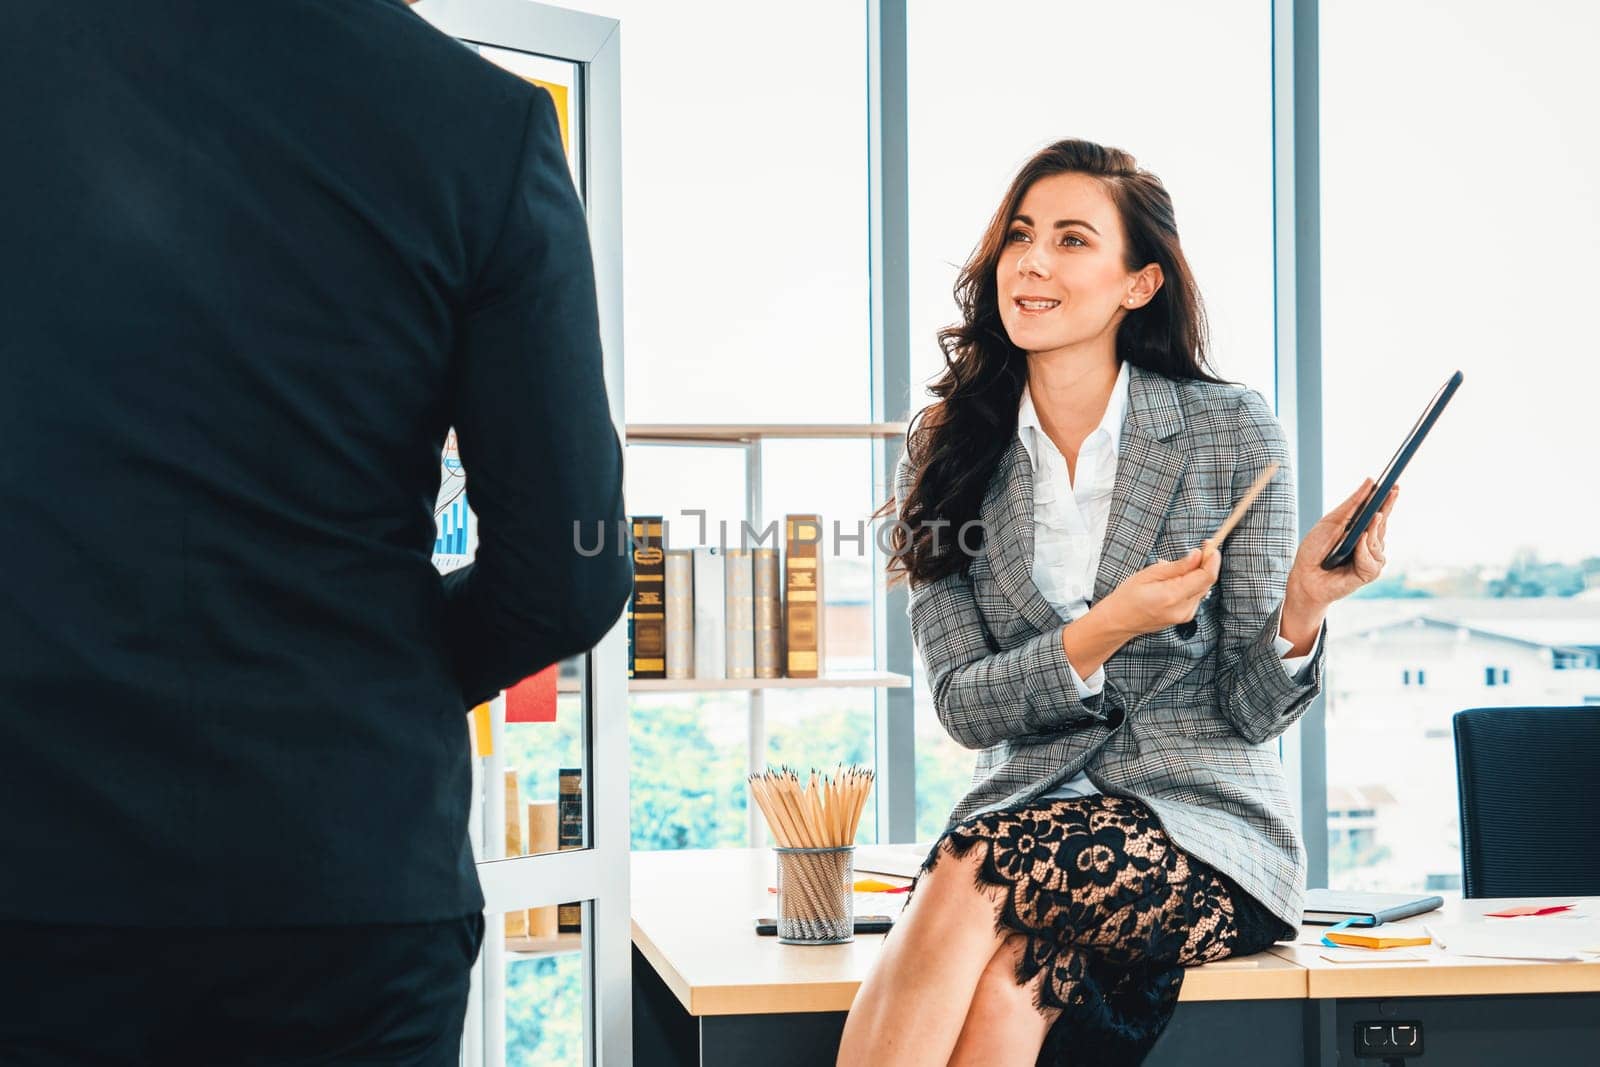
{"points": [[745, 299], [1459, 232], [744, 210], [745, 259], [1185, 87]]}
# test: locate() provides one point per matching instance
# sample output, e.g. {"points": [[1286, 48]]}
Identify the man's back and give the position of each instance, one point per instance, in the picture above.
{"points": [[256, 260]]}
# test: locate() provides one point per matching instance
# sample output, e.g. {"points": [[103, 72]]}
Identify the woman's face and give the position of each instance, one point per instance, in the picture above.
{"points": [[1061, 279]]}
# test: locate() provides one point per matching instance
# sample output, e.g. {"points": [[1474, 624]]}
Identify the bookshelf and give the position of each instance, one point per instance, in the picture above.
{"points": [[749, 437], [533, 948]]}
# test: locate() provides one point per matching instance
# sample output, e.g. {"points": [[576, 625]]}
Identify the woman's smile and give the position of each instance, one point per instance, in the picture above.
{"points": [[1035, 305]]}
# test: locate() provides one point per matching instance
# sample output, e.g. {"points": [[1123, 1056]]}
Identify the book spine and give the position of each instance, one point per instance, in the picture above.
{"points": [[569, 831], [769, 614], [802, 595], [544, 835], [710, 614], [649, 599], [680, 613], [516, 921], [741, 630], [822, 609]]}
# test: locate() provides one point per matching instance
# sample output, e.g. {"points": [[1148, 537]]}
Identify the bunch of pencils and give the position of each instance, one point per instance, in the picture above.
{"points": [[822, 812]]}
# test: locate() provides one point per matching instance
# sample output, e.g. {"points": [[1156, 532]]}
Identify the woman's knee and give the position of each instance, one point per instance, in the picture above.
{"points": [[1001, 999], [951, 909], [954, 886], [1000, 976]]}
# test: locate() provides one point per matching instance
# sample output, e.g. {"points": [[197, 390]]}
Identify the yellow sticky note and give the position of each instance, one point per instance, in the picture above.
{"points": [[1352, 938], [558, 97], [482, 734]]}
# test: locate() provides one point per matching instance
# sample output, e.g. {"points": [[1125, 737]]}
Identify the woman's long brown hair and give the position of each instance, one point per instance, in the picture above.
{"points": [[955, 444]]}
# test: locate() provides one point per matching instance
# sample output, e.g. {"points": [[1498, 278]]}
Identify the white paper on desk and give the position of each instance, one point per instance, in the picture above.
{"points": [[1578, 930], [1520, 942], [1371, 955], [898, 861], [888, 904]]}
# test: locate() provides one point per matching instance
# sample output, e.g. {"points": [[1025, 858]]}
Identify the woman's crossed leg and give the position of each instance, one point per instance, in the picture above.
{"points": [[1083, 905], [911, 1008]]}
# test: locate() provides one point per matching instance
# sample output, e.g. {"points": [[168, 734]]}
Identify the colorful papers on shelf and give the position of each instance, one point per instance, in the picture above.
{"points": [[534, 698], [481, 733]]}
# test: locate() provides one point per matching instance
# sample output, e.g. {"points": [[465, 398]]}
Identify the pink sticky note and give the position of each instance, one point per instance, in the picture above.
{"points": [[1528, 909]]}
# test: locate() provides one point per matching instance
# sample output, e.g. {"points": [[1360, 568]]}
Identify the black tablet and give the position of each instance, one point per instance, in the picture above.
{"points": [[1380, 492]]}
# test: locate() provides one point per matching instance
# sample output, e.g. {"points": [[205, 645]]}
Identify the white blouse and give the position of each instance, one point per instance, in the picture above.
{"points": [[1070, 516]]}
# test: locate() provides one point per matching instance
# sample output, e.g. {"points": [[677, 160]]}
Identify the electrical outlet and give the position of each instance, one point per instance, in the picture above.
{"points": [[1388, 1040]]}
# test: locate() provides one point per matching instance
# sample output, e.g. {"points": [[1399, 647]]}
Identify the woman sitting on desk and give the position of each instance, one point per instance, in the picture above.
{"points": [[1125, 818]]}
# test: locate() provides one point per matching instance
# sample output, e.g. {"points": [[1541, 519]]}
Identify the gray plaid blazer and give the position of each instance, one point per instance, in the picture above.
{"points": [[1180, 724]]}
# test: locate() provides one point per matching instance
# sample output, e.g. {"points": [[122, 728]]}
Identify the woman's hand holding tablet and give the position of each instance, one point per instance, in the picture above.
{"points": [[1311, 583], [1311, 589], [1344, 551], [1355, 525]]}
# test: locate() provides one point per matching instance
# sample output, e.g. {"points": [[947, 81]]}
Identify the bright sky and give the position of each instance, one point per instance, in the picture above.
{"points": [[1460, 230]]}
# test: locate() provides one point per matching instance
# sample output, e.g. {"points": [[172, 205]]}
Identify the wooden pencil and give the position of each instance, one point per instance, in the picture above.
{"points": [[836, 824], [863, 786], [822, 810], [797, 804], [1233, 519], [819, 818], [777, 818]]}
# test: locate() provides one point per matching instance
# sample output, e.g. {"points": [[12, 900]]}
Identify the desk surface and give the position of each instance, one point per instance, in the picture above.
{"points": [[692, 919], [1439, 974]]}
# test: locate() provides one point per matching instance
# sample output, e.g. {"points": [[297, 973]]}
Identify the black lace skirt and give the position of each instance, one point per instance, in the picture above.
{"points": [[1112, 912]]}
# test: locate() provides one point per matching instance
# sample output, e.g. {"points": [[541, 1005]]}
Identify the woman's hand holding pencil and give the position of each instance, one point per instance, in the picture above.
{"points": [[1163, 594], [1168, 593]]}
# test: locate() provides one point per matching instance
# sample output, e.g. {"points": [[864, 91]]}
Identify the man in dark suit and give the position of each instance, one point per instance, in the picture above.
{"points": [[255, 261]]}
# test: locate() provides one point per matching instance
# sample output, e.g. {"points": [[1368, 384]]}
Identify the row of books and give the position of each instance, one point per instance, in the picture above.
{"points": [[552, 827], [711, 612]]}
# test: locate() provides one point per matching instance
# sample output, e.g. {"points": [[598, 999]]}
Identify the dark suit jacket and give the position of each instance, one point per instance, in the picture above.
{"points": [[255, 260]]}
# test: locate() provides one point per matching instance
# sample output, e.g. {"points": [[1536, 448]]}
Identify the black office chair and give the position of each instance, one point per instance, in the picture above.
{"points": [[1529, 784]]}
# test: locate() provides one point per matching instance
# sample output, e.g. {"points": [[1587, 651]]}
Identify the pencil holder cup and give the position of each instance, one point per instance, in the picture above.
{"points": [[816, 895]]}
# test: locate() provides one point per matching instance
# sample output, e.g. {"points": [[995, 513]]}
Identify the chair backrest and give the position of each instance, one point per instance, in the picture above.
{"points": [[1529, 785]]}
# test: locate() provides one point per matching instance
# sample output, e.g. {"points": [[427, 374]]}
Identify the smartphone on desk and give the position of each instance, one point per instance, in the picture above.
{"points": [[865, 924]]}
